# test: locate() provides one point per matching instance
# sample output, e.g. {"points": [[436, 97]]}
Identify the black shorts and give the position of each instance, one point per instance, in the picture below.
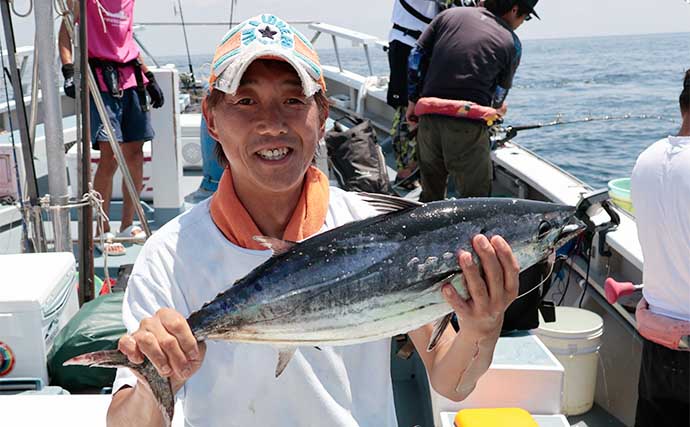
{"points": [[398, 53], [664, 388], [128, 121]]}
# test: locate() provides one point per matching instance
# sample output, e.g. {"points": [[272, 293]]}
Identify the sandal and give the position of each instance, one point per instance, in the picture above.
{"points": [[134, 232], [109, 247]]}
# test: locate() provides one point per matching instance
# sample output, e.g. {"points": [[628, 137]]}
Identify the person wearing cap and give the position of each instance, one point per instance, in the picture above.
{"points": [[469, 55], [124, 81], [268, 109]]}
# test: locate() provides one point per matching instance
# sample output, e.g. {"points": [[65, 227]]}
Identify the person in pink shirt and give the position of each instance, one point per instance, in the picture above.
{"points": [[124, 81]]}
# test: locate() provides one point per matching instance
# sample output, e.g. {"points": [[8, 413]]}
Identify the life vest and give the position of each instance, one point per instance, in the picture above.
{"points": [[453, 108]]}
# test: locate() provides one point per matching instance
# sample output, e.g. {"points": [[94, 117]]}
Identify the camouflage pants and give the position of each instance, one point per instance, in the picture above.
{"points": [[404, 144]]}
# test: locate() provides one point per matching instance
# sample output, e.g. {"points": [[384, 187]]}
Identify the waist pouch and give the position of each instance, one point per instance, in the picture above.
{"points": [[671, 333], [454, 108], [110, 71]]}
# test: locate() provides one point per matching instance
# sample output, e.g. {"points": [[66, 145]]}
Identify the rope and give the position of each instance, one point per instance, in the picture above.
{"points": [[22, 15], [94, 199]]}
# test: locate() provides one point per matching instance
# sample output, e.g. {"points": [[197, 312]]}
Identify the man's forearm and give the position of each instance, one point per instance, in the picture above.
{"points": [[134, 406], [461, 362], [144, 68], [64, 45]]}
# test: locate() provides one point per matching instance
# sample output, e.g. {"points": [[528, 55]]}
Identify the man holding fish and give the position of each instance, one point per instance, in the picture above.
{"points": [[328, 328]]}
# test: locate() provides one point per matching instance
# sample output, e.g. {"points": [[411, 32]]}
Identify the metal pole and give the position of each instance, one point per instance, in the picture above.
{"points": [[86, 285], [52, 122], [146, 51], [20, 112]]}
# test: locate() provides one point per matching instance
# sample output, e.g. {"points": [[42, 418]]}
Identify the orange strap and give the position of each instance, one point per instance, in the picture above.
{"points": [[660, 329], [233, 220]]}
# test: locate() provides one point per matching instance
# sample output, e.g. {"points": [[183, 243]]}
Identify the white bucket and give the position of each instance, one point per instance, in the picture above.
{"points": [[574, 338]]}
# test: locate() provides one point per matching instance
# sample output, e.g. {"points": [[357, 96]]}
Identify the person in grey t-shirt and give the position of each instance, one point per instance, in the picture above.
{"points": [[467, 54]]}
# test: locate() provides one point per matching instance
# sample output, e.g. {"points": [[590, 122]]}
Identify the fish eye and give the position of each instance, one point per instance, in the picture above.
{"points": [[544, 228]]}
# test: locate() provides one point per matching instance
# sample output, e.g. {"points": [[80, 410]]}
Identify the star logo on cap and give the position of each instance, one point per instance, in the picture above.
{"points": [[267, 32]]}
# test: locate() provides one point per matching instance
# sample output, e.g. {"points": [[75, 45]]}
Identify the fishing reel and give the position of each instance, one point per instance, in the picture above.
{"points": [[499, 134]]}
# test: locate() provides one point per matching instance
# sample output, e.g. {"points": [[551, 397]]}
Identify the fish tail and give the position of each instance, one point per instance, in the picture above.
{"points": [[159, 386]]}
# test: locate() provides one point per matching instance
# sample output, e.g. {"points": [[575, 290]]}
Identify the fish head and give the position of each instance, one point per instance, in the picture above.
{"points": [[536, 229]]}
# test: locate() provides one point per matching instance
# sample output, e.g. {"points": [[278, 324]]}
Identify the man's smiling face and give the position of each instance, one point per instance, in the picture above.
{"points": [[269, 130]]}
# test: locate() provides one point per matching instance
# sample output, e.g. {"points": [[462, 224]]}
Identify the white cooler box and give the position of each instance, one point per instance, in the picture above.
{"points": [[523, 374], [38, 296], [146, 194]]}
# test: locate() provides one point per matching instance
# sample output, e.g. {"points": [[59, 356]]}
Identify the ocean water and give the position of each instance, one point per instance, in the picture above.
{"points": [[574, 78], [578, 78]]}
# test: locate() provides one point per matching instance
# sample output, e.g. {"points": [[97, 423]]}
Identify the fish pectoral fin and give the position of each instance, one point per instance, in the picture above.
{"points": [[278, 246], [284, 356], [439, 327]]}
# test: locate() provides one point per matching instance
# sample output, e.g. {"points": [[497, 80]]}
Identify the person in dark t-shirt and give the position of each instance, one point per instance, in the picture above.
{"points": [[465, 54]]}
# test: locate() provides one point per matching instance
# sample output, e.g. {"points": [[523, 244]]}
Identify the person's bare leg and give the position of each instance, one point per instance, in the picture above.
{"points": [[103, 180], [134, 157]]}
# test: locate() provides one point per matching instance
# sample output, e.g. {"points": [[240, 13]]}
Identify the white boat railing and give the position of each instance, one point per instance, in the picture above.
{"points": [[357, 39], [22, 55]]}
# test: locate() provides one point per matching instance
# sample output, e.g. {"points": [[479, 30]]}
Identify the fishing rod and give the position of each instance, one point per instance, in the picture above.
{"points": [[502, 134], [232, 12], [186, 43]]}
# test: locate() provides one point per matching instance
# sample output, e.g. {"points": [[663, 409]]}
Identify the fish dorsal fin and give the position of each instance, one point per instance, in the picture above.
{"points": [[284, 356], [278, 246], [384, 203], [439, 327]]}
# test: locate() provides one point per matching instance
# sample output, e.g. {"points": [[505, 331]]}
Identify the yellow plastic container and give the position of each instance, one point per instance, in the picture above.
{"points": [[494, 417], [619, 190]]}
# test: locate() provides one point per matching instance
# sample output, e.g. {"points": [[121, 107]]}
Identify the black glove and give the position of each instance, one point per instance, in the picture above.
{"points": [[68, 74], [154, 91]]}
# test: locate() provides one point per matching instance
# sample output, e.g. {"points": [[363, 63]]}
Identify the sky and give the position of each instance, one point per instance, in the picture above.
{"points": [[560, 19]]}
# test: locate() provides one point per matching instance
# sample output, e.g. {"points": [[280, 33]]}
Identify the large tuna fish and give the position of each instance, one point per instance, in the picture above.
{"points": [[364, 281]]}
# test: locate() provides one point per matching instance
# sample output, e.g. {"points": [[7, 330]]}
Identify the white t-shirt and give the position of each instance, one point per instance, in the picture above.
{"points": [[402, 17], [661, 197], [187, 263]]}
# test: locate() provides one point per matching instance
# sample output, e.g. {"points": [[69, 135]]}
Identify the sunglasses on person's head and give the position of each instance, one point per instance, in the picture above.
{"points": [[528, 17]]}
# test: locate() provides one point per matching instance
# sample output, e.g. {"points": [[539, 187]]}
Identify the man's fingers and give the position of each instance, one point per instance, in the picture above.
{"points": [[476, 286], [511, 268], [169, 342], [128, 346], [458, 304], [149, 346], [177, 326], [493, 271]]}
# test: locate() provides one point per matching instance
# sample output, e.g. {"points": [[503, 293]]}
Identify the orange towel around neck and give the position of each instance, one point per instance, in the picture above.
{"points": [[233, 220]]}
